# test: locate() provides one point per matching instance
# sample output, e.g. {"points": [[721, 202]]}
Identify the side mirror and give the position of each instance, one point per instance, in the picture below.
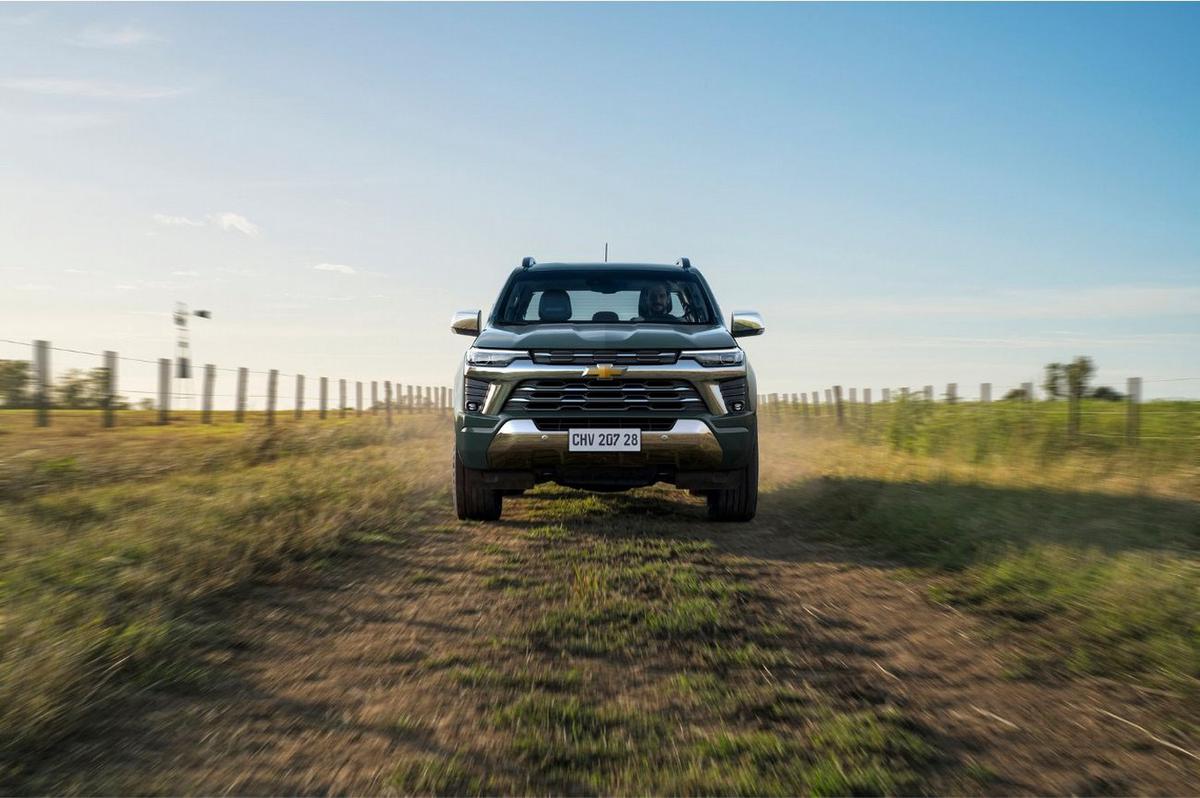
{"points": [[745, 323], [467, 322]]}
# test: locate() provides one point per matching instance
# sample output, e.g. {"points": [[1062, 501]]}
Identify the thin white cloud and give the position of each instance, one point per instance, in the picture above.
{"points": [[105, 37], [17, 20], [1101, 302], [177, 221], [54, 121], [185, 273], [234, 222], [340, 268], [1047, 341], [87, 89]]}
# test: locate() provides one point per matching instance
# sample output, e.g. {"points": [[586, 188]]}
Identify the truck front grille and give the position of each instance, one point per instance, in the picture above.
{"points": [[613, 357], [564, 424], [589, 395]]}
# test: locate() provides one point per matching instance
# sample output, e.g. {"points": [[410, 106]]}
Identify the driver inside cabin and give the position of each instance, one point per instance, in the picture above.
{"points": [[656, 303]]}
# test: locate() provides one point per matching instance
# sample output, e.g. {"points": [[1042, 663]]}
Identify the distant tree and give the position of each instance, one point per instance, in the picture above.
{"points": [[1016, 394], [1068, 379], [73, 389], [14, 383], [1077, 374], [1054, 383], [78, 388], [1107, 394]]}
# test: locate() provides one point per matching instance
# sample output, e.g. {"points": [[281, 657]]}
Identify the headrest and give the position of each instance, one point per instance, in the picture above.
{"points": [[605, 315], [554, 305]]}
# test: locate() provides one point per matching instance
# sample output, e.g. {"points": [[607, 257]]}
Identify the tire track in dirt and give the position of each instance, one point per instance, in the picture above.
{"points": [[335, 677]]}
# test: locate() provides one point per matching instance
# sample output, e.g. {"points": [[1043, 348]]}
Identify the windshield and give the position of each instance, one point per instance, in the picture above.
{"points": [[605, 296]]}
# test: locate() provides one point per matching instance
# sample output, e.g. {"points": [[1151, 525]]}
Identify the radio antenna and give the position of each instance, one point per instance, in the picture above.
{"points": [[606, 252]]}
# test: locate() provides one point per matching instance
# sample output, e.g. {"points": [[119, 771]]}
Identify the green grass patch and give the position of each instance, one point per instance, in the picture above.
{"points": [[676, 684], [111, 555]]}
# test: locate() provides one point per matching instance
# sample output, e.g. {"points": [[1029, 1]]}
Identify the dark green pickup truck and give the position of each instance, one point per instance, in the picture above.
{"points": [[605, 376]]}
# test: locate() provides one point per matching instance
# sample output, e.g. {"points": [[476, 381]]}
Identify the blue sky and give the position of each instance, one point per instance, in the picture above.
{"points": [[910, 194]]}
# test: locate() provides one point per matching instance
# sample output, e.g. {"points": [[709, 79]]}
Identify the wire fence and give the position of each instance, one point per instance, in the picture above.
{"points": [[923, 421], [51, 383], [67, 382]]}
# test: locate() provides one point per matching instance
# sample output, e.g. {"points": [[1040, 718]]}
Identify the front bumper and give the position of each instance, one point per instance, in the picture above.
{"points": [[691, 444]]}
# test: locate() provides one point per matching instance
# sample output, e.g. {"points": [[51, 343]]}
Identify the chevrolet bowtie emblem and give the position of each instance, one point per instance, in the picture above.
{"points": [[605, 371]]}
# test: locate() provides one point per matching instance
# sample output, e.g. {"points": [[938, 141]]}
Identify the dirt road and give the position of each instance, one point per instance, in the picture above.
{"points": [[416, 662]]}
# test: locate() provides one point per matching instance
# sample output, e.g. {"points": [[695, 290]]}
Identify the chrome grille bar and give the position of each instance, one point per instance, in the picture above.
{"points": [[550, 395]]}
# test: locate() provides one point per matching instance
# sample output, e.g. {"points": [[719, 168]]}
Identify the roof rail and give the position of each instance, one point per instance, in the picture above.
{"points": [[527, 261], [684, 262]]}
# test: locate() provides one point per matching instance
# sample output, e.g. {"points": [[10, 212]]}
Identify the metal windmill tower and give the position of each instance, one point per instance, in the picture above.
{"points": [[183, 353]]}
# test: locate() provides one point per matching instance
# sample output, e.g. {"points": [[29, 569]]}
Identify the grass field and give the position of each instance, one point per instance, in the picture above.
{"points": [[1088, 549], [111, 539], [117, 545]]}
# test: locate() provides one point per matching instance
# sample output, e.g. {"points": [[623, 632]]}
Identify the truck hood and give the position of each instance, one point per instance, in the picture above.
{"points": [[605, 336]]}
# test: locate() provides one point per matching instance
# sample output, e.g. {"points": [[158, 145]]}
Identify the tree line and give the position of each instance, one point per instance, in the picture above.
{"points": [[76, 388]]}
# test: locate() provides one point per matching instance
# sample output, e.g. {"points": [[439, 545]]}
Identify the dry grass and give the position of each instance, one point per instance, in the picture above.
{"points": [[1089, 559], [111, 540], [114, 542]]}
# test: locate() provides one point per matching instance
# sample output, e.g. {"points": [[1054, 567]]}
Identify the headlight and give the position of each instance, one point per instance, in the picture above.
{"points": [[497, 358], [718, 357]]}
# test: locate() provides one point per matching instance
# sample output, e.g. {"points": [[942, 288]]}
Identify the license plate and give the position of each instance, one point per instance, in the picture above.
{"points": [[604, 440]]}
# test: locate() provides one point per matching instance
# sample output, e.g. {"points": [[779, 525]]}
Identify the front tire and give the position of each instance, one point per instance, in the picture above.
{"points": [[473, 501], [740, 502]]}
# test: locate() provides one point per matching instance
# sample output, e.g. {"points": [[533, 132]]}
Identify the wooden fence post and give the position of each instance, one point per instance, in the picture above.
{"points": [[1133, 411], [841, 413], [324, 397], [1073, 403], [951, 392], [358, 397], [110, 388], [341, 398], [408, 403], [298, 411], [1027, 387], [903, 394], [239, 412], [804, 403], [853, 397], [41, 384], [387, 400], [985, 392], [374, 397], [429, 397], [164, 390], [928, 393], [272, 393], [886, 394], [829, 396], [867, 405], [816, 399], [206, 398]]}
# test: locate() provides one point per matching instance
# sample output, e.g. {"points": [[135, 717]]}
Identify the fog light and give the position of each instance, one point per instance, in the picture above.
{"points": [[472, 406], [737, 406]]}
